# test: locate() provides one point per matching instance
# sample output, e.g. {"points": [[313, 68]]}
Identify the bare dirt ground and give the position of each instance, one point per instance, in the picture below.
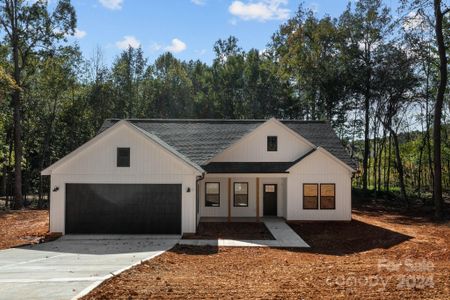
{"points": [[239, 231], [22, 227], [379, 255]]}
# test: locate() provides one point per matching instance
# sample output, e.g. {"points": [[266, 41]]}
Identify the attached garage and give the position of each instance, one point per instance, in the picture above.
{"points": [[123, 208], [123, 181]]}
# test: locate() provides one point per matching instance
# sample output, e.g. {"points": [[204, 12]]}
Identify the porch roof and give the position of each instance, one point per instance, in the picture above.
{"points": [[247, 167]]}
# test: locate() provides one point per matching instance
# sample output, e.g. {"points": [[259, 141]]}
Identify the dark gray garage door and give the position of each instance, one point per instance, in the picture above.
{"points": [[123, 208]]}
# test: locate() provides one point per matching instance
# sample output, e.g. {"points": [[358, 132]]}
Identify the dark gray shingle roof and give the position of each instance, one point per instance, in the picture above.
{"points": [[201, 140]]}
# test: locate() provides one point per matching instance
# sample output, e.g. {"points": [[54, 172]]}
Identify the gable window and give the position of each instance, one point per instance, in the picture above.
{"points": [[310, 196], [123, 157], [327, 196], [272, 143], [212, 194], [240, 194]]}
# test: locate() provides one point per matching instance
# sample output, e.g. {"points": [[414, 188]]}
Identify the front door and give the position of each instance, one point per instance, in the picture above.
{"points": [[270, 199]]}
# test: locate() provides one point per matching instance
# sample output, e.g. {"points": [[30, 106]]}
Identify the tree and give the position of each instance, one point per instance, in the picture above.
{"points": [[30, 28], [228, 82], [366, 28], [128, 74], [437, 125], [172, 95], [7, 84], [439, 11], [396, 81]]}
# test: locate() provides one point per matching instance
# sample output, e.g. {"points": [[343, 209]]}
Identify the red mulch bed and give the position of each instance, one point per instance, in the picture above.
{"points": [[232, 230], [341, 253], [22, 227]]}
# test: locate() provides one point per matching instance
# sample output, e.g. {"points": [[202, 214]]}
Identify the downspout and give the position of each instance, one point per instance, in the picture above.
{"points": [[197, 196]]}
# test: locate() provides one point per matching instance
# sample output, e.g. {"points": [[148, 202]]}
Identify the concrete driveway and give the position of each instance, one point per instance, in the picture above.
{"points": [[73, 264]]}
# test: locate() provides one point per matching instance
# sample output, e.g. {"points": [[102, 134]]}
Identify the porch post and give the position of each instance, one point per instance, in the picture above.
{"points": [[229, 199], [257, 199]]}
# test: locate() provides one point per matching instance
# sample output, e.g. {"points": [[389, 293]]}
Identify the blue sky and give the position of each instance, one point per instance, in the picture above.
{"points": [[187, 28]]}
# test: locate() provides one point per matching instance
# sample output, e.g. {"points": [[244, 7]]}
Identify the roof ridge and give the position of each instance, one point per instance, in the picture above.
{"points": [[156, 120]]}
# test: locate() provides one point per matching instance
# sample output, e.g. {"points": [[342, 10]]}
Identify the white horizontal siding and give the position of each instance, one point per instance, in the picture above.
{"points": [[253, 147]]}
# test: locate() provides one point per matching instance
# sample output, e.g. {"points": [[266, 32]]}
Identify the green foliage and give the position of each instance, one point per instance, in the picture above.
{"points": [[313, 68]]}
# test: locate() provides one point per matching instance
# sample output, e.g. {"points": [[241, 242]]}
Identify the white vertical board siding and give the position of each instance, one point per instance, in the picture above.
{"points": [[285, 196], [253, 147], [250, 211], [149, 164], [146, 157], [319, 168]]}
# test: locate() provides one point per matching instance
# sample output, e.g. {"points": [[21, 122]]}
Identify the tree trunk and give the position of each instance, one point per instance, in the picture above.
{"points": [[399, 166], [46, 146], [419, 172], [380, 159], [375, 158], [17, 120], [387, 184], [438, 201], [366, 143]]}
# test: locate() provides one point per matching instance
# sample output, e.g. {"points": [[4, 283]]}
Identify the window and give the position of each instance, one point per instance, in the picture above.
{"points": [[212, 194], [240, 194], [327, 196], [269, 188], [310, 196], [123, 157], [272, 143]]}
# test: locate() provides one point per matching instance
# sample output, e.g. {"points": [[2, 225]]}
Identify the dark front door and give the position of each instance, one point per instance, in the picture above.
{"points": [[123, 208], [270, 199]]}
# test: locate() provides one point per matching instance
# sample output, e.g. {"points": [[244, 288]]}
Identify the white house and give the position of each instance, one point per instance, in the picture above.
{"points": [[162, 176]]}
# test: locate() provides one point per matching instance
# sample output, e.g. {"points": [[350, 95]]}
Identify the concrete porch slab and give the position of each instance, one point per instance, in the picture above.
{"points": [[284, 236]]}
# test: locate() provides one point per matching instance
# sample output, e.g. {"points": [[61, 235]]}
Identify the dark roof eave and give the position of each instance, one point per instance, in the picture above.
{"points": [[243, 172]]}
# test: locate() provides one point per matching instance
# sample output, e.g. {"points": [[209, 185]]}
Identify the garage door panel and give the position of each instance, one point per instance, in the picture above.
{"points": [[123, 208]]}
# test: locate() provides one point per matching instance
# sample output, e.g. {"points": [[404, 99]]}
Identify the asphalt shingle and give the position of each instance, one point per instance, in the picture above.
{"points": [[200, 140]]}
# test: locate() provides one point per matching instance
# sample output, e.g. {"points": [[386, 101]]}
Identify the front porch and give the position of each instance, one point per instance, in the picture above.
{"points": [[241, 197]]}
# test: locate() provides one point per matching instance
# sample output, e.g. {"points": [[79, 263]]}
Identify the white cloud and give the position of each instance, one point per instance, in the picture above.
{"points": [[112, 4], [199, 2], [176, 46], [79, 34], [262, 10], [128, 41]]}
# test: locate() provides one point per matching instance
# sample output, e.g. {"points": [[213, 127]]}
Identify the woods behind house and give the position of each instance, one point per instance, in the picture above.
{"points": [[379, 77]]}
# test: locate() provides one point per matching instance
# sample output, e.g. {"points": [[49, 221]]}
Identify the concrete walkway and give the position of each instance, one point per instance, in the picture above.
{"points": [[284, 236], [72, 266]]}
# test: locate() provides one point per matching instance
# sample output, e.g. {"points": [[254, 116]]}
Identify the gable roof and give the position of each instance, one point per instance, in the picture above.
{"points": [[324, 151], [201, 139], [113, 126]]}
